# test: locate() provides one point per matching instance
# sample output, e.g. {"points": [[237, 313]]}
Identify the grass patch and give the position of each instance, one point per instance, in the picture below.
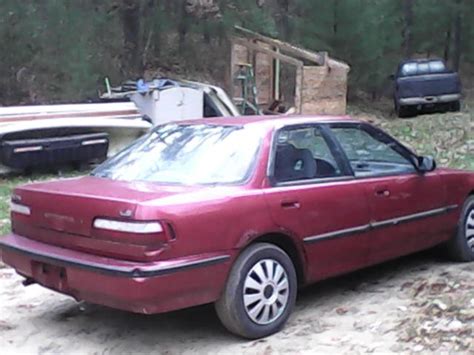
{"points": [[8, 183]]}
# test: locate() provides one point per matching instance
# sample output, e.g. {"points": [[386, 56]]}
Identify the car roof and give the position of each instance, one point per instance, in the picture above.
{"points": [[270, 120]]}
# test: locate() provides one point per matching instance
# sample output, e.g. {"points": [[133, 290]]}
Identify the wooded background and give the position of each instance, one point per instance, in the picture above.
{"points": [[61, 50]]}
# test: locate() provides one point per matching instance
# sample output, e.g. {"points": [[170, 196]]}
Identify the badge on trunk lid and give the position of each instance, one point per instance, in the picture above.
{"points": [[58, 221]]}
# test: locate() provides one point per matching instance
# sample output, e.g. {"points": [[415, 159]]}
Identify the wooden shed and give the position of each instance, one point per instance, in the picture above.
{"points": [[306, 82]]}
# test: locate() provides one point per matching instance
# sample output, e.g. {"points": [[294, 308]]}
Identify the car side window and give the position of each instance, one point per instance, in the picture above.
{"points": [[303, 153], [371, 153]]}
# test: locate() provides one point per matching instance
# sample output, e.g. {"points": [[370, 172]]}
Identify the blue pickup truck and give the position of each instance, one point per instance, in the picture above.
{"points": [[425, 84]]}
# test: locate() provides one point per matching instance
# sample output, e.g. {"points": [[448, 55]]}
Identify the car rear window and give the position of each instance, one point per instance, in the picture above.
{"points": [[187, 154]]}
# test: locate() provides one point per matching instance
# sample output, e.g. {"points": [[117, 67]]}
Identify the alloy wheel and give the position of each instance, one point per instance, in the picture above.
{"points": [[469, 229], [266, 291]]}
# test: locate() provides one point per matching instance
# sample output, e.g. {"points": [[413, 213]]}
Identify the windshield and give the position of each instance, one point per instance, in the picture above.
{"points": [[187, 154]]}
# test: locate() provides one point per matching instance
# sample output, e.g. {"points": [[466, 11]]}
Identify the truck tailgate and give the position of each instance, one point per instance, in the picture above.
{"points": [[428, 85]]}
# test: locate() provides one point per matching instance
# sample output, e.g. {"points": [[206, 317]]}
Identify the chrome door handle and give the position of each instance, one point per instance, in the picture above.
{"points": [[382, 193], [290, 204]]}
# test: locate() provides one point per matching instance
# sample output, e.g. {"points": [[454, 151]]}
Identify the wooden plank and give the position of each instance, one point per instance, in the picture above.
{"points": [[276, 79], [232, 68], [299, 89], [318, 58], [255, 47], [68, 108], [72, 115], [264, 78]]}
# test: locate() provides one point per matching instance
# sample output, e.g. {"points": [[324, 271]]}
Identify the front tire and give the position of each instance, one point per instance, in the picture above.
{"points": [[260, 293], [461, 247]]}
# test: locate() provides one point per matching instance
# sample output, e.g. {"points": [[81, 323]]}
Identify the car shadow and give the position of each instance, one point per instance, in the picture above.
{"points": [[377, 274], [200, 324]]}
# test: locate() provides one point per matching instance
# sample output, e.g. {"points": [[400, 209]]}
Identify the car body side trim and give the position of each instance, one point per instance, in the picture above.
{"points": [[134, 270], [378, 224], [337, 234], [408, 218]]}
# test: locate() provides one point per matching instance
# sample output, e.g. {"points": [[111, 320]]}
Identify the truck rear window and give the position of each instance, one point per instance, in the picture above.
{"points": [[422, 68]]}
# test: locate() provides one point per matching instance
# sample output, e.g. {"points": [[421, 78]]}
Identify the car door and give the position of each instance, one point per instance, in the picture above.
{"points": [[314, 198], [407, 208]]}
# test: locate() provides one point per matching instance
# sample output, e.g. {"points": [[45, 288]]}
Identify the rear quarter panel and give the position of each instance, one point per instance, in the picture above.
{"points": [[211, 220]]}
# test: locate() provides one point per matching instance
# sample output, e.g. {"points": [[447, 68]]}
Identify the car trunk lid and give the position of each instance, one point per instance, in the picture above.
{"points": [[62, 212]]}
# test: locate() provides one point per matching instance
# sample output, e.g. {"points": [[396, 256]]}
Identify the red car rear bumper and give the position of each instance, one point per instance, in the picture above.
{"points": [[138, 287]]}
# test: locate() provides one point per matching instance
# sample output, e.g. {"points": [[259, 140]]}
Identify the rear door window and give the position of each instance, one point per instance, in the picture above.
{"points": [[303, 153]]}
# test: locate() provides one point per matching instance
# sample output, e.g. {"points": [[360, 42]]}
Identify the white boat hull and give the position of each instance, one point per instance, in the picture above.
{"points": [[120, 122]]}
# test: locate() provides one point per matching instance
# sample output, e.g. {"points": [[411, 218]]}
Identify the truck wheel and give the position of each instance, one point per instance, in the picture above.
{"points": [[461, 247], [405, 111], [260, 293], [455, 106]]}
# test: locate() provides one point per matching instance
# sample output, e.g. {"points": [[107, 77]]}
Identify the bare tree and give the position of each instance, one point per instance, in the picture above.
{"points": [[130, 18], [457, 39], [283, 18], [408, 28]]}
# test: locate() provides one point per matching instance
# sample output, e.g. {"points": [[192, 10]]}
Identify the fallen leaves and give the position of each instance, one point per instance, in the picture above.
{"points": [[6, 326], [341, 310], [441, 315]]}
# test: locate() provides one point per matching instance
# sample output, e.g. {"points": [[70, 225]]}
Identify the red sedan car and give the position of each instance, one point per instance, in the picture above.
{"points": [[239, 212]]}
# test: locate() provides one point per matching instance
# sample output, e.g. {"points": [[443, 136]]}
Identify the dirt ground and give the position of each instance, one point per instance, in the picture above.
{"points": [[420, 303]]}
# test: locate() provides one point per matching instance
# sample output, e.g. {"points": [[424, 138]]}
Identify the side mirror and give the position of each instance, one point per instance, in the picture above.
{"points": [[391, 76], [426, 164]]}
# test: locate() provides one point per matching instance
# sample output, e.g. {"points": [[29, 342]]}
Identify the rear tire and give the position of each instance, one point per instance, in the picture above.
{"points": [[405, 111], [260, 292], [461, 247], [455, 106]]}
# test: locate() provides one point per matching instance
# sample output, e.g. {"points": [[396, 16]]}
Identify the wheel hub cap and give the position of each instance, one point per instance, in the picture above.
{"points": [[470, 229], [266, 291]]}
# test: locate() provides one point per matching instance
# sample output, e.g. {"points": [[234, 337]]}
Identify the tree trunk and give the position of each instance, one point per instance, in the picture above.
{"points": [[407, 28], [183, 26], [447, 45], [336, 17], [206, 32], [130, 17], [150, 35], [283, 18], [457, 36]]}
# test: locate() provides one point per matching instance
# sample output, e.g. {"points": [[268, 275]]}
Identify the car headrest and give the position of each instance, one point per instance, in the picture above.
{"points": [[292, 163]]}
